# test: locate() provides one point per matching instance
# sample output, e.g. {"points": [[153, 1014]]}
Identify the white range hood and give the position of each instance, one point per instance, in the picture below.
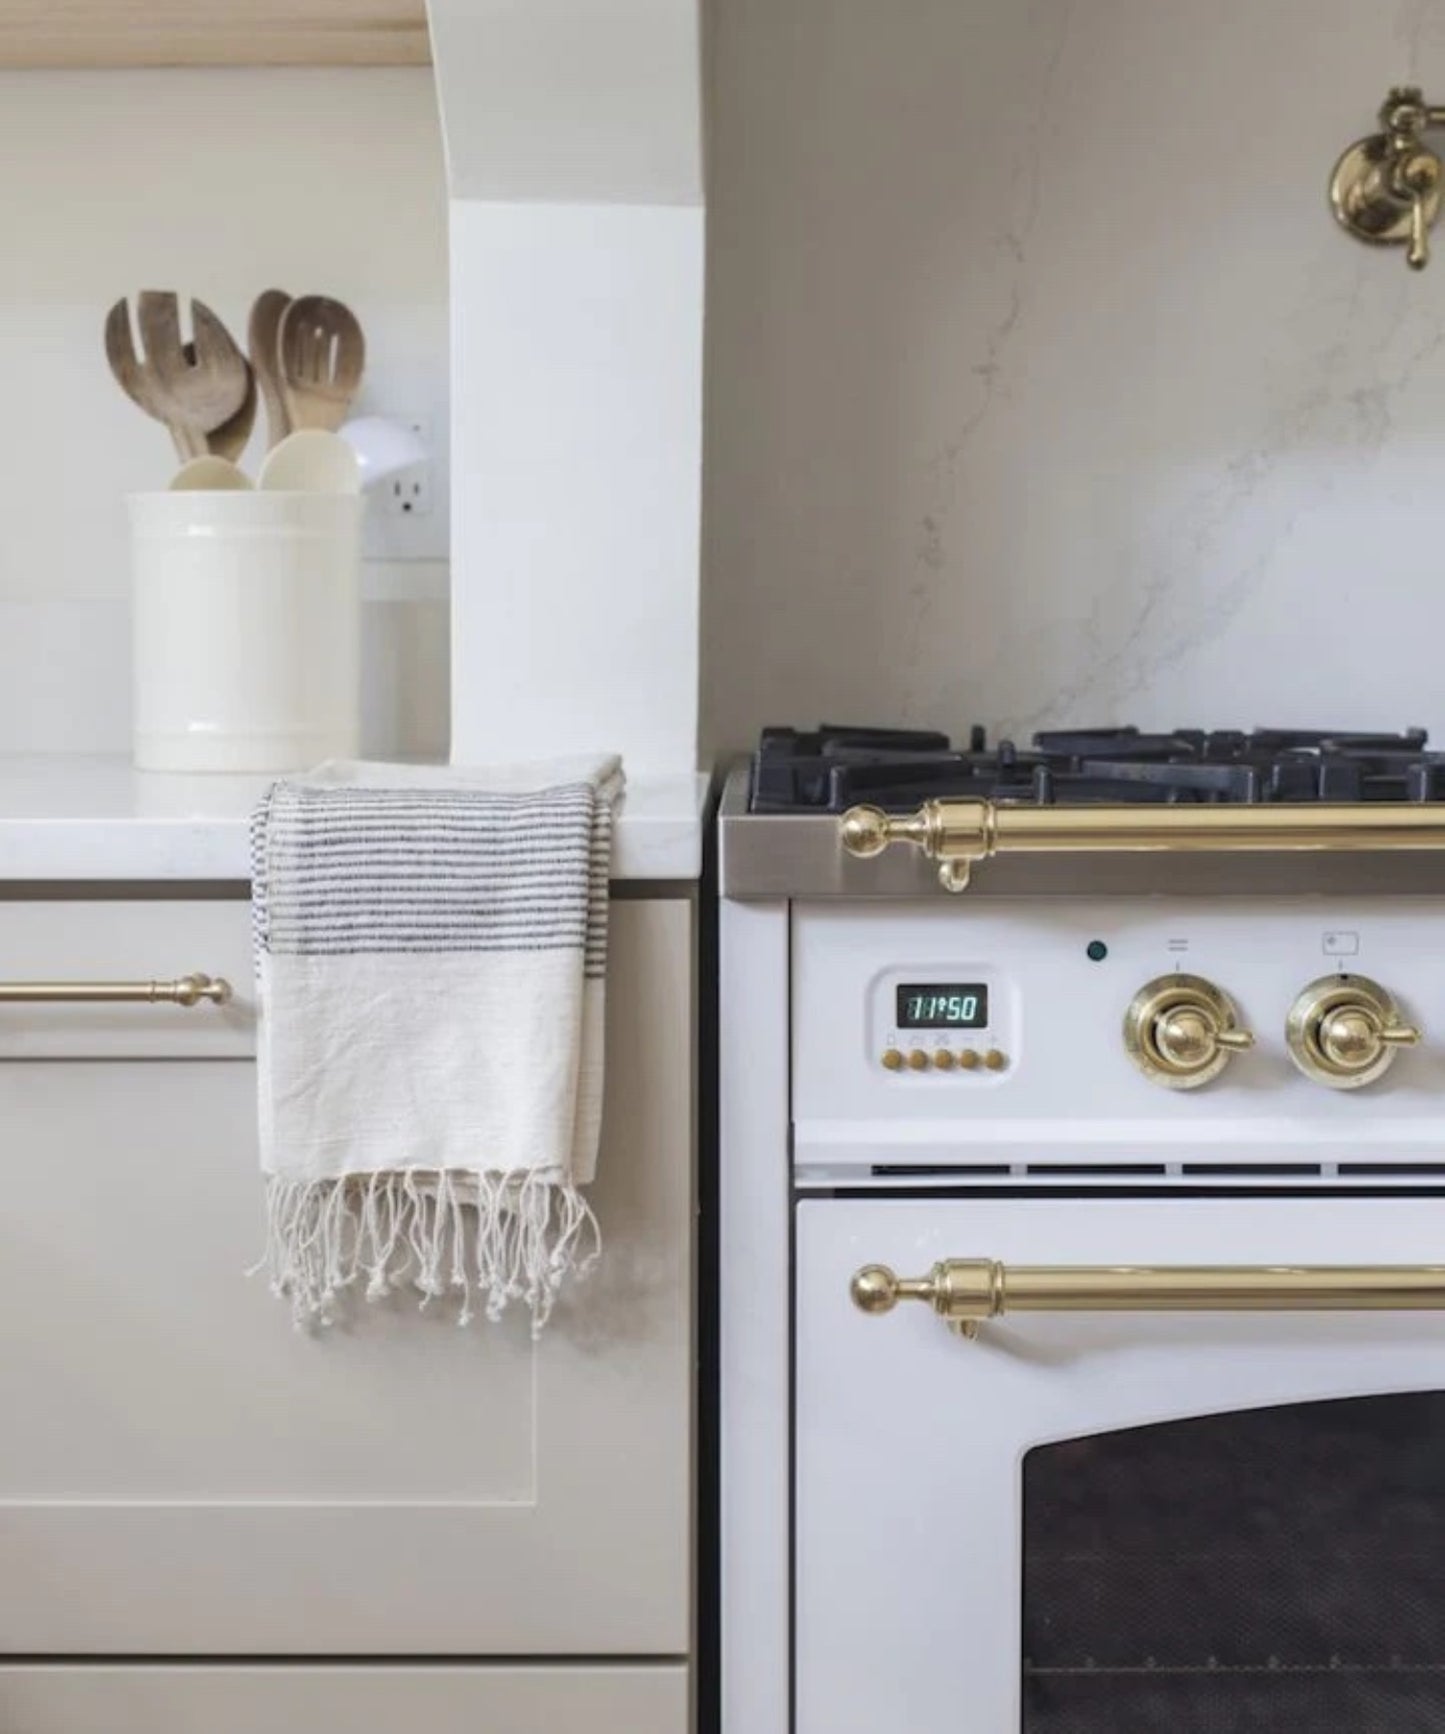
{"points": [[574, 159]]}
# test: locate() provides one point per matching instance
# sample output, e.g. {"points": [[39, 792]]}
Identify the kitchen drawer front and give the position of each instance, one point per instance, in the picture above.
{"points": [[126, 941], [146, 1699], [183, 1473]]}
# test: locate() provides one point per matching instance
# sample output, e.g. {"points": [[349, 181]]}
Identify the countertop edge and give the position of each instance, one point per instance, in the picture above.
{"points": [[73, 819]]}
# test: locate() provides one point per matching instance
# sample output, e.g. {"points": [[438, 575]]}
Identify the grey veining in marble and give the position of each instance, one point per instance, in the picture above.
{"points": [[1043, 386]]}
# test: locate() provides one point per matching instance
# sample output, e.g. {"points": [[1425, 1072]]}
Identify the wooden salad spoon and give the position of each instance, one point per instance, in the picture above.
{"points": [[322, 353], [263, 339]]}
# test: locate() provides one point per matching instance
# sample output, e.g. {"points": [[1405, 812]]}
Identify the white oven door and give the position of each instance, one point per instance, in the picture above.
{"points": [[1119, 1523]]}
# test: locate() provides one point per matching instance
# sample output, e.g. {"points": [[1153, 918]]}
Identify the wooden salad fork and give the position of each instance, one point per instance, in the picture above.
{"points": [[193, 395], [322, 353], [232, 437]]}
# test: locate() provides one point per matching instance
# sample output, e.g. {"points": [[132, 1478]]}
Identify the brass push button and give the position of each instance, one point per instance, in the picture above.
{"points": [[893, 1060], [995, 1060], [918, 1059], [968, 1059], [943, 1059]]}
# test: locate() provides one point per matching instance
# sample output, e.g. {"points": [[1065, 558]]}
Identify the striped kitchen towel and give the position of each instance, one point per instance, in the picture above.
{"points": [[431, 952]]}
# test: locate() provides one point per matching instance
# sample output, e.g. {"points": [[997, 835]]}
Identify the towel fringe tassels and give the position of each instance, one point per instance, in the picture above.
{"points": [[487, 1237]]}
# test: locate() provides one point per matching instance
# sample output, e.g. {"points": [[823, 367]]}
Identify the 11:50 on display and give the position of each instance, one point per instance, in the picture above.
{"points": [[938, 1005]]}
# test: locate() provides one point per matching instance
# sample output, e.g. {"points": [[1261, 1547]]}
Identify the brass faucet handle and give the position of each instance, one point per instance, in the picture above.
{"points": [[1417, 178], [1387, 188], [1417, 255]]}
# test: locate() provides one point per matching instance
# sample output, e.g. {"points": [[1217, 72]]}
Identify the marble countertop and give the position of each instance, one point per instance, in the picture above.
{"points": [[68, 817]]}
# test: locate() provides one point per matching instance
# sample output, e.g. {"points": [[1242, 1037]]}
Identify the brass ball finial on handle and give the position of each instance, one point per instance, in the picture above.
{"points": [[865, 831], [874, 1289]]}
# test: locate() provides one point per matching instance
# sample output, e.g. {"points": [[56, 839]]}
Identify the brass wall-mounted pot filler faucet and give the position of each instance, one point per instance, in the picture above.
{"points": [[1386, 188]]}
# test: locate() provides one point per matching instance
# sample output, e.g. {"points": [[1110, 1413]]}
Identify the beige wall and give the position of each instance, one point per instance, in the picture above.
{"points": [[218, 184], [1041, 383]]}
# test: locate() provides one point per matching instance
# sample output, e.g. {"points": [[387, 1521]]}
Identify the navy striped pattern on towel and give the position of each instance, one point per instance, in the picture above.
{"points": [[339, 871]]}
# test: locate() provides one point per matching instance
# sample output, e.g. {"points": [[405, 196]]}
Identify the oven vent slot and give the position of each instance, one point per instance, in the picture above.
{"points": [[938, 1171], [1252, 1170], [1093, 1170], [1407, 1170]]}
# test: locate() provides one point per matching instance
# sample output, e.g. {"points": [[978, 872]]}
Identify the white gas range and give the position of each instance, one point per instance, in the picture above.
{"points": [[1083, 1237]]}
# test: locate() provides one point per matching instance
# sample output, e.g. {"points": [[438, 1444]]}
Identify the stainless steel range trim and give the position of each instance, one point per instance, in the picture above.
{"points": [[773, 855]]}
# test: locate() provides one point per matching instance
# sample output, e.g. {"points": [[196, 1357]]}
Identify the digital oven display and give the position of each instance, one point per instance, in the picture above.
{"points": [[939, 1005]]}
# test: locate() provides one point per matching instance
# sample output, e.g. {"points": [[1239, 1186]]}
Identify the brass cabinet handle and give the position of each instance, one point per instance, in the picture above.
{"points": [[188, 990], [958, 834], [964, 1290]]}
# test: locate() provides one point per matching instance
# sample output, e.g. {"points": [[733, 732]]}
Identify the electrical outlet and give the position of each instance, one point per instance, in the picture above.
{"points": [[409, 493], [407, 515]]}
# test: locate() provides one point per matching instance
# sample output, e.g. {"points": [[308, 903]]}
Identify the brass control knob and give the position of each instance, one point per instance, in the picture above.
{"points": [[1343, 1031], [1180, 1031]]}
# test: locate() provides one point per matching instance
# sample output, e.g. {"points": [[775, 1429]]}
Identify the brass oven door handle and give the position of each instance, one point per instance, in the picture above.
{"points": [[962, 1291], [187, 990]]}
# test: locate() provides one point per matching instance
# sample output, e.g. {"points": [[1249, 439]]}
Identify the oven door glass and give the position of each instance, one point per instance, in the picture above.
{"points": [[1117, 1523], [1268, 1569]]}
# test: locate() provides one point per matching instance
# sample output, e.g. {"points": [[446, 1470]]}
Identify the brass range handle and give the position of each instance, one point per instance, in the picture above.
{"points": [[958, 834], [186, 990], [963, 1291]]}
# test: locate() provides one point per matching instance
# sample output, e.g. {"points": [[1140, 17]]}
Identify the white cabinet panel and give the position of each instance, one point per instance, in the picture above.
{"points": [[183, 1472], [363, 1700], [126, 940]]}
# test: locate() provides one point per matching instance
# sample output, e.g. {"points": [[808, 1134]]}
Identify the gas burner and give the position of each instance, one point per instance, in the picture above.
{"points": [[831, 768]]}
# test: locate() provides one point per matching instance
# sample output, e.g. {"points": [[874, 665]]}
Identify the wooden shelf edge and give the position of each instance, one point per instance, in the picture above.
{"points": [[133, 49], [98, 34]]}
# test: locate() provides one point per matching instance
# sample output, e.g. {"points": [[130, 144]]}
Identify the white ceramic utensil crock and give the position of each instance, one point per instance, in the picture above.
{"points": [[246, 629]]}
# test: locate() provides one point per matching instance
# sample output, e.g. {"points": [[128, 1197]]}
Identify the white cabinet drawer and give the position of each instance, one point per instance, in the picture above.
{"points": [[183, 1473], [126, 941], [145, 1699]]}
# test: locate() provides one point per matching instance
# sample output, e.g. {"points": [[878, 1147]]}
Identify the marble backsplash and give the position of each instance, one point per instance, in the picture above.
{"points": [[1043, 387]]}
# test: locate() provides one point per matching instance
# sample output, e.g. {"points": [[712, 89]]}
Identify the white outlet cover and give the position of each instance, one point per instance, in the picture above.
{"points": [[391, 534]]}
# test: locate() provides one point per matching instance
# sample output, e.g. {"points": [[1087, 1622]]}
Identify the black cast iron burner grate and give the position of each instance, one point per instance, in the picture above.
{"points": [[829, 769]]}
